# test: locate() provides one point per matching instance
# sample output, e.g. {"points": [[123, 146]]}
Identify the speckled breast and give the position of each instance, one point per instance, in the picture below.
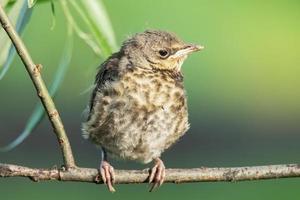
{"points": [[140, 115]]}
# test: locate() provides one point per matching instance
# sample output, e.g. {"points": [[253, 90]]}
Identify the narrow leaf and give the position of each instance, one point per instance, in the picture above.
{"points": [[9, 5], [98, 15], [3, 3], [4, 39], [94, 16], [87, 38], [31, 3], [22, 21], [39, 111], [53, 15]]}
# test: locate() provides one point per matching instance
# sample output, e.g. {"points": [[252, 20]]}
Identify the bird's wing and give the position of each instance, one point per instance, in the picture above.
{"points": [[109, 71]]}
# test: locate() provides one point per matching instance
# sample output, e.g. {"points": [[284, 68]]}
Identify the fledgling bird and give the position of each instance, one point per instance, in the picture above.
{"points": [[138, 107]]}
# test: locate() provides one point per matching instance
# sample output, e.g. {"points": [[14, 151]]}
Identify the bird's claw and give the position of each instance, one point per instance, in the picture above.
{"points": [[157, 174], [107, 175]]}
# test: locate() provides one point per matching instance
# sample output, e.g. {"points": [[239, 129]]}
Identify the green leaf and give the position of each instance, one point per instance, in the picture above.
{"points": [[5, 42], [87, 38], [3, 3], [34, 119], [39, 111], [22, 21], [31, 3], [95, 18], [7, 4], [53, 15]]}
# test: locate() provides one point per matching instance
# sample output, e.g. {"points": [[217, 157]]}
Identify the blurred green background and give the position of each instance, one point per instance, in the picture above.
{"points": [[243, 92]]}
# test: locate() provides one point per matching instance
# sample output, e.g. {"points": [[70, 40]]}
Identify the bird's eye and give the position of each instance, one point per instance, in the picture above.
{"points": [[163, 53]]}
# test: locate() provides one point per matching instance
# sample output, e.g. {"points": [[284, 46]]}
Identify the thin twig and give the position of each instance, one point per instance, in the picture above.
{"points": [[202, 174], [35, 75]]}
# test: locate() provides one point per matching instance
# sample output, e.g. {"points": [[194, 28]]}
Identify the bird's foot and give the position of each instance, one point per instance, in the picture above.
{"points": [[107, 175], [157, 174]]}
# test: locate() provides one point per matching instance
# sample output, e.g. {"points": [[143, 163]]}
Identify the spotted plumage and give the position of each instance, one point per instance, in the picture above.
{"points": [[138, 107]]}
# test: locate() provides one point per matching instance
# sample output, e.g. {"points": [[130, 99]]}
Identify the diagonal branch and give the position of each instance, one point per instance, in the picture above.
{"points": [[202, 174], [35, 75]]}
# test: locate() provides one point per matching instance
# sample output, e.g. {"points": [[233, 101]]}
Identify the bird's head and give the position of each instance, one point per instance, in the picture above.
{"points": [[158, 49]]}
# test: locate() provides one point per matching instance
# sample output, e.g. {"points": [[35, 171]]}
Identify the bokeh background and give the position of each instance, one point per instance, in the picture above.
{"points": [[243, 92]]}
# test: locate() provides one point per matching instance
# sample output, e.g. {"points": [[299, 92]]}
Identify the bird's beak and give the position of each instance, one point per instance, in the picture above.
{"points": [[187, 50]]}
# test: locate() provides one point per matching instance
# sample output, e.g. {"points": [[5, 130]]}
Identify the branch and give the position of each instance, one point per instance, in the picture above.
{"points": [[202, 174], [35, 75]]}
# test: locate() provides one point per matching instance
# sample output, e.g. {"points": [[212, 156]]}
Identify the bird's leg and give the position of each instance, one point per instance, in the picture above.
{"points": [[106, 172], [157, 174]]}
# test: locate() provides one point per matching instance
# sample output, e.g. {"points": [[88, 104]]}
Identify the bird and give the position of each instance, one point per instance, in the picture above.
{"points": [[138, 107]]}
